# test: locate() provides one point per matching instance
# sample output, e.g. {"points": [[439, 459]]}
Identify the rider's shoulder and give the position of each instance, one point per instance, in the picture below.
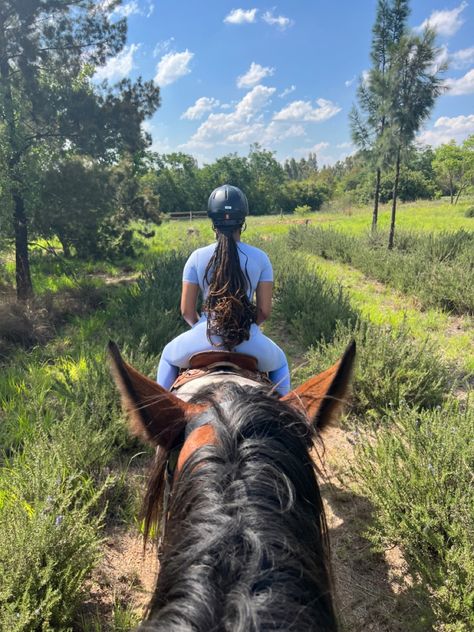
{"points": [[252, 250]]}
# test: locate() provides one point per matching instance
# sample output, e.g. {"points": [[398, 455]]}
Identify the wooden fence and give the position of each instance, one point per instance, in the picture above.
{"points": [[188, 215]]}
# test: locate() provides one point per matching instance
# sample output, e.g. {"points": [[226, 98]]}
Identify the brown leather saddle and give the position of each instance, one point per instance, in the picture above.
{"points": [[207, 362]]}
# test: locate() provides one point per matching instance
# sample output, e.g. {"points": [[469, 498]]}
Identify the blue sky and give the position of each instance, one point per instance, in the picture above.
{"points": [[284, 74]]}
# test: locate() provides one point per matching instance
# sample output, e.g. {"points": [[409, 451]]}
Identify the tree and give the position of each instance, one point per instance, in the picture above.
{"points": [[88, 205], [368, 124], [454, 166], [414, 84], [48, 105]]}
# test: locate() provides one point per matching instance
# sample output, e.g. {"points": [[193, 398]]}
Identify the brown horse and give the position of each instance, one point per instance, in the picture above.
{"points": [[246, 546]]}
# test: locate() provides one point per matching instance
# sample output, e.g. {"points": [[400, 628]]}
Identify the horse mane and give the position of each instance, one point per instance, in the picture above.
{"points": [[246, 546]]}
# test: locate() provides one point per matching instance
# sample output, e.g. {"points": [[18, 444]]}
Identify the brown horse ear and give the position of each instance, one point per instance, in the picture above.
{"points": [[323, 396], [155, 414]]}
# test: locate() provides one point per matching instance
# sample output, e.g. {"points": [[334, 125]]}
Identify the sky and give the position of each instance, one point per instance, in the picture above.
{"points": [[283, 75]]}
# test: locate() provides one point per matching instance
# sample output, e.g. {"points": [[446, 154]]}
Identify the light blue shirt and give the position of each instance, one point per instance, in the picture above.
{"points": [[253, 261]]}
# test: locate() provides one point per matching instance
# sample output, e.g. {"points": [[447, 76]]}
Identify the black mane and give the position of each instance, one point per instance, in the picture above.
{"points": [[246, 544]]}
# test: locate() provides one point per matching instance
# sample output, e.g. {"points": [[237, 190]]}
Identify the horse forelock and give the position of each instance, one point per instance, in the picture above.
{"points": [[246, 543]]}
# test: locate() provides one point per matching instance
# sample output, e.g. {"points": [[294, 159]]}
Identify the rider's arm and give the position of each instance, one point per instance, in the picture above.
{"points": [[263, 295], [189, 296]]}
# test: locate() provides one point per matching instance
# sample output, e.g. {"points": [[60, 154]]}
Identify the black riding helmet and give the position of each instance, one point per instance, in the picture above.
{"points": [[227, 207]]}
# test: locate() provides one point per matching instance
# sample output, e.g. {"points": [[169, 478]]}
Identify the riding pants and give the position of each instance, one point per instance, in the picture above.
{"points": [[271, 359]]}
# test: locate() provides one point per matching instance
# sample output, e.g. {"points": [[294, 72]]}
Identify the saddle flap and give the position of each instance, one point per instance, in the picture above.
{"points": [[205, 359]]}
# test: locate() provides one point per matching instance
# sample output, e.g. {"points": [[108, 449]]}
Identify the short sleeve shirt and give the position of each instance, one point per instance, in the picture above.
{"points": [[254, 263]]}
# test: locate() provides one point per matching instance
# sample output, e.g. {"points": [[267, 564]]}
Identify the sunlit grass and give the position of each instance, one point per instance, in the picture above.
{"points": [[383, 305]]}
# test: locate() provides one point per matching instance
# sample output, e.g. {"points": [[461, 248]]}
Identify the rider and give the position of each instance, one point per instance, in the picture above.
{"points": [[228, 273]]}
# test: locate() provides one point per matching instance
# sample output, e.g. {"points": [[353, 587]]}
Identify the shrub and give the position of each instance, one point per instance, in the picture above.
{"points": [[436, 268], [417, 472], [49, 526], [392, 370], [303, 210], [311, 305], [469, 212]]}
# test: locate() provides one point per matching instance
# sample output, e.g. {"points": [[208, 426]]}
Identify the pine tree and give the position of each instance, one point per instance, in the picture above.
{"points": [[48, 52], [368, 122], [414, 84]]}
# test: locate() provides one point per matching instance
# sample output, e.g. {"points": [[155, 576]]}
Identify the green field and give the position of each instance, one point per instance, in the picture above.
{"points": [[68, 471]]}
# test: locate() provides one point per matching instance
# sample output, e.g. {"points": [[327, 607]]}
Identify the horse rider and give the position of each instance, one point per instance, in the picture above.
{"points": [[229, 273]]}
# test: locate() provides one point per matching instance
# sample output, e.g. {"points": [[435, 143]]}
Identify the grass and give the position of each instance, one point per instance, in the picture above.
{"points": [[417, 472], [436, 268], [64, 443], [385, 306], [61, 430]]}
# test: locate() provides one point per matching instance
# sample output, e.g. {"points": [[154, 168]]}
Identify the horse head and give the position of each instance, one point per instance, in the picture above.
{"points": [[246, 543]]}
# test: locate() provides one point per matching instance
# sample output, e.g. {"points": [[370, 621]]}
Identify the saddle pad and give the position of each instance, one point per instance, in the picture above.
{"points": [[189, 389]]}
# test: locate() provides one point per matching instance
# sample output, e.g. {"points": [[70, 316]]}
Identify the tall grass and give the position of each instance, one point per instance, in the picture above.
{"points": [[437, 268], [61, 431], [417, 471], [392, 370]]}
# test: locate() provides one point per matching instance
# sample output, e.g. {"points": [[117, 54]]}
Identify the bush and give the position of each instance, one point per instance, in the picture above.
{"points": [[436, 268], [303, 210], [392, 370], [311, 305], [469, 212], [417, 472]]}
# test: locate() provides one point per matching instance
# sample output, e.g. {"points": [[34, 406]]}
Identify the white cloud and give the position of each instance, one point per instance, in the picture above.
{"points": [[304, 111], [163, 46], [151, 9], [127, 9], [346, 145], [202, 105], [462, 58], [463, 85], [281, 21], [172, 66], [287, 91], [241, 16], [349, 82], [236, 126], [132, 8], [254, 75], [119, 66], [445, 22], [447, 128]]}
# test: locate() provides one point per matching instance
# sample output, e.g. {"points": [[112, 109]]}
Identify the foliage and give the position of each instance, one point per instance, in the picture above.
{"points": [[436, 268], [310, 305], [50, 107], [303, 210], [392, 370], [454, 167], [417, 472]]}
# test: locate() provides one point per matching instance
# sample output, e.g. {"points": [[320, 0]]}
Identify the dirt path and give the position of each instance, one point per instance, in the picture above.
{"points": [[383, 305], [374, 590]]}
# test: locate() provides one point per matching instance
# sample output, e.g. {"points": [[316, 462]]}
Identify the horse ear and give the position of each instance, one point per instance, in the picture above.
{"points": [[155, 414], [323, 396]]}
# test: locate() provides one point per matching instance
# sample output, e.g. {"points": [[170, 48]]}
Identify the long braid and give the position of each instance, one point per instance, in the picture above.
{"points": [[229, 309]]}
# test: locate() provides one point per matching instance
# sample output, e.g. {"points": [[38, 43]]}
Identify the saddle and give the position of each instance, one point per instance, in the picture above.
{"points": [[222, 362]]}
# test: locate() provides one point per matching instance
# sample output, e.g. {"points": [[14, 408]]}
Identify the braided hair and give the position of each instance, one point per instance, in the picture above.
{"points": [[230, 312]]}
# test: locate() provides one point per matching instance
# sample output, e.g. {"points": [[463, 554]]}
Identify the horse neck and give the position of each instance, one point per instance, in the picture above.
{"points": [[246, 539]]}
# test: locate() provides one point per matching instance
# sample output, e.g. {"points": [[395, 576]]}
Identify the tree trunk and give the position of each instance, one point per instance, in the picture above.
{"points": [[65, 245], [394, 202], [375, 214], [24, 287]]}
